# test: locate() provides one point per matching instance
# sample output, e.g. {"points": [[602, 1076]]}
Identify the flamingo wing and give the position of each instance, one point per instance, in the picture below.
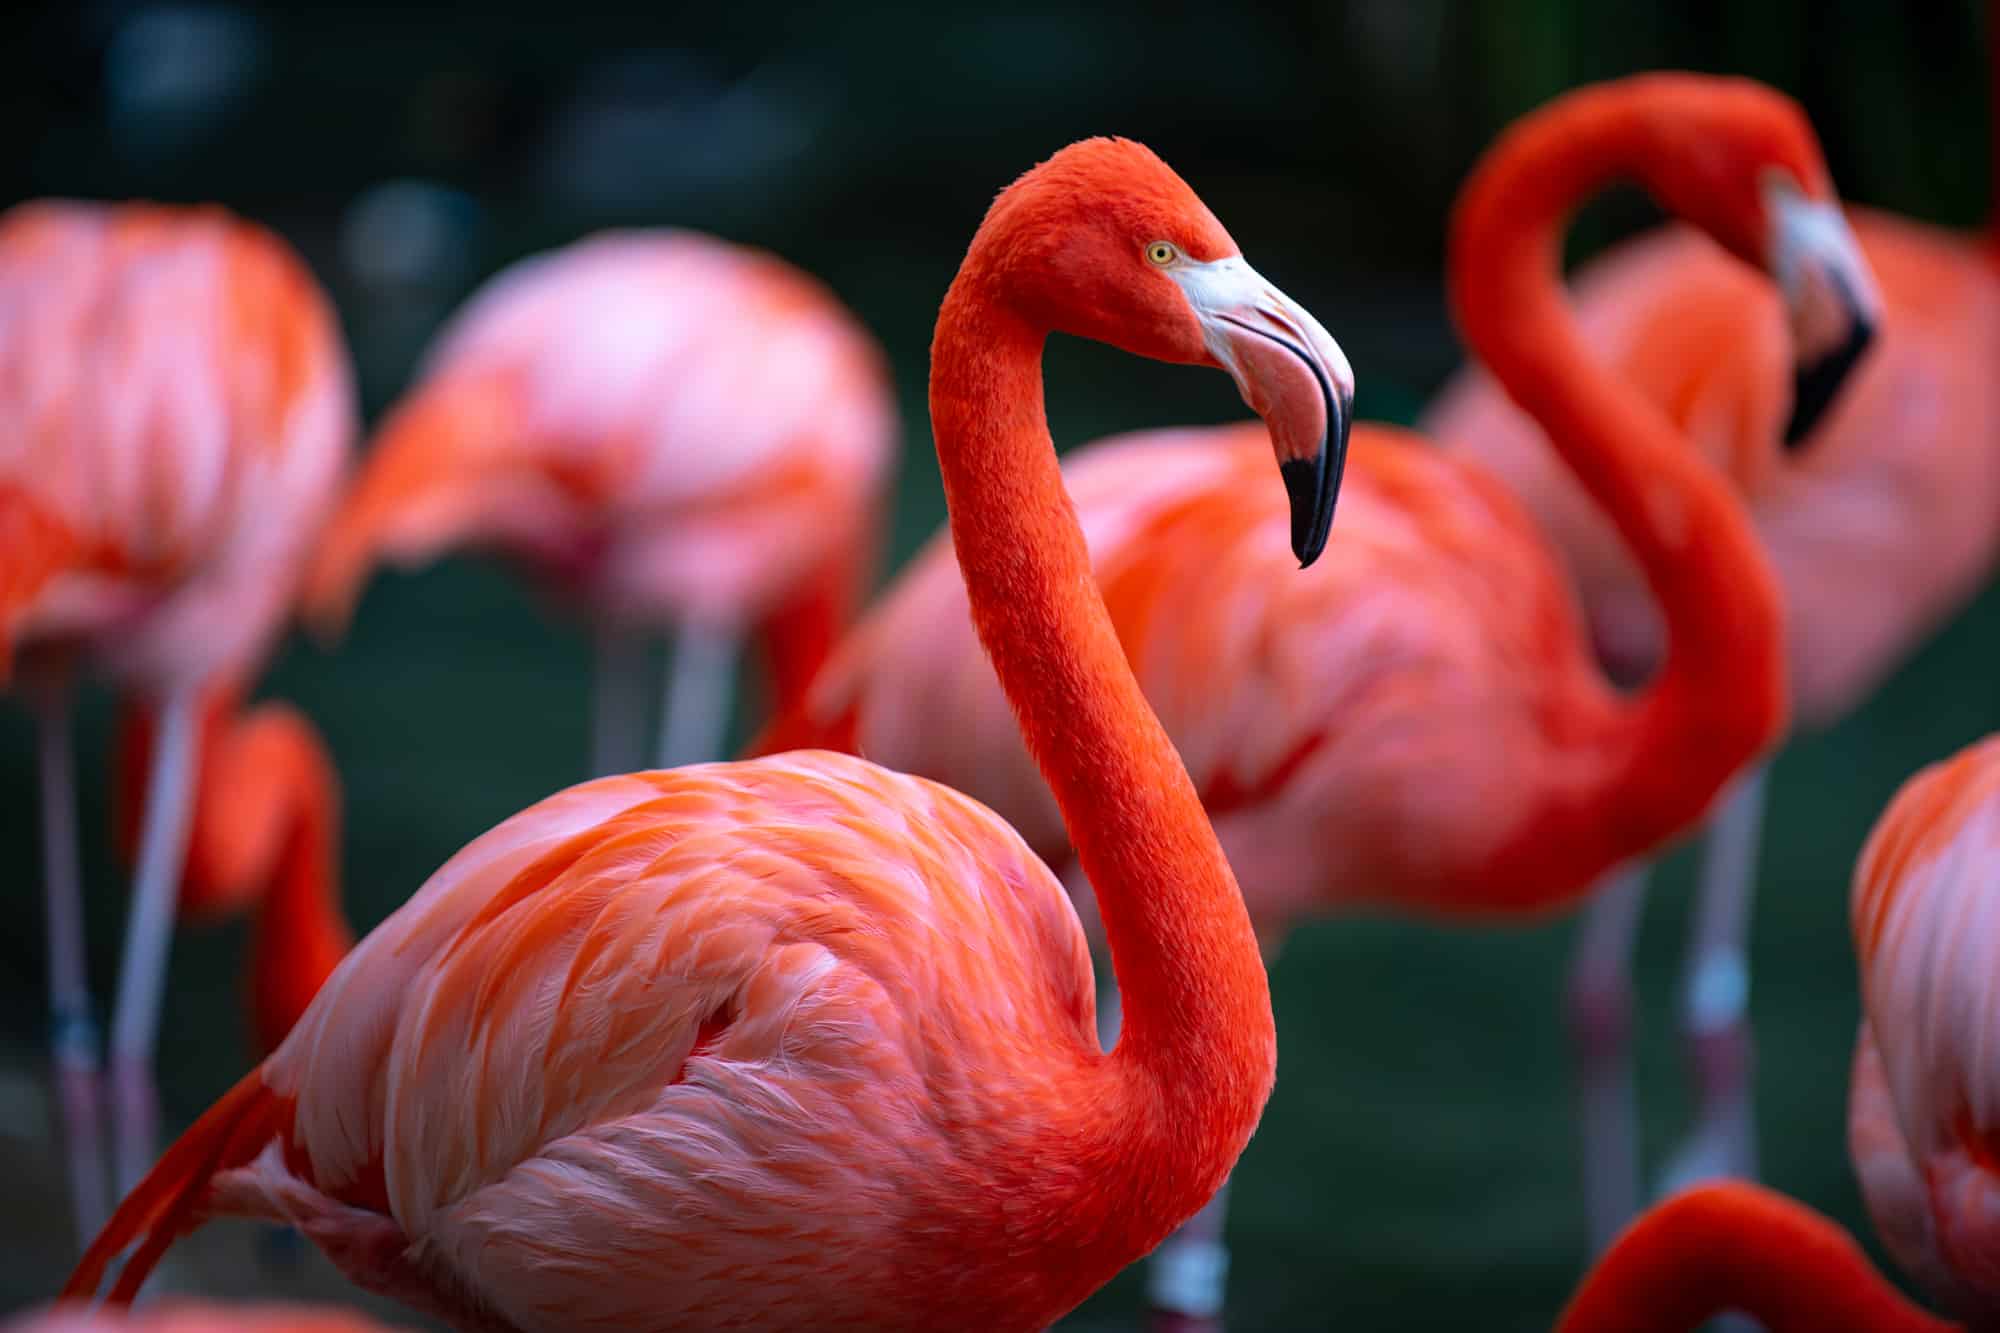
{"points": [[676, 1014]]}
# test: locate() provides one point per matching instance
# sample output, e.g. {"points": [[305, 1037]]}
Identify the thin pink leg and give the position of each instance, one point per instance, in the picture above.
{"points": [[142, 976], [1600, 1017], [1715, 997], [1187, 1278], [700, 694], [73, 1028]]}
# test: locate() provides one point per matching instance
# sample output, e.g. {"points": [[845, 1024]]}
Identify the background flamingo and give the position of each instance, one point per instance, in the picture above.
{"points": [[175, 414], [671, 430], [1418, 723], [800, 1041], [1924, 1111], [1879, 525]]}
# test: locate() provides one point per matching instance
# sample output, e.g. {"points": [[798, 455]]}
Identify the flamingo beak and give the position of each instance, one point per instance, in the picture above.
{"points": [[1830, 296], [1291, 373]]}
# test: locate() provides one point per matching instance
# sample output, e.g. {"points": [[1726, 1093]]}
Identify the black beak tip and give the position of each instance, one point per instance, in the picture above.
{"points": [[1818, 383], [1314, 486]]}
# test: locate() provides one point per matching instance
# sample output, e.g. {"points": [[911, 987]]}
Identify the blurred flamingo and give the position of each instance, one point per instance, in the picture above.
{"points": [[176, 411], [1924, 1111], [1923, 1114], [668, 429], [265, 831], [1880, 525], [196, 1317], [1729, 1246], [1418, 723], [799, 1042]]}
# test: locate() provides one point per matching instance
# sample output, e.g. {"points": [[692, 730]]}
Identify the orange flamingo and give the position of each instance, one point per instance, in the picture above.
{"points": [[1418, 723], [196, 1317], [798, 1041], [1879, 525], [669, 429], [176, 411], [1730, 1246], [266, 829], [1924, 1110]]}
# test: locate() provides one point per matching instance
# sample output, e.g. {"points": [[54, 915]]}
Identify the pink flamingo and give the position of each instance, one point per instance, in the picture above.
{"points": [[1879, 525], [1418, 723], [667, 428], [799, 1042], [175, 414]]}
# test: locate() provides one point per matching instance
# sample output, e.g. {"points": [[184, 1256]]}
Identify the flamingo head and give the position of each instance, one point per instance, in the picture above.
{"points": [[1742, 162], [1104, 241]]}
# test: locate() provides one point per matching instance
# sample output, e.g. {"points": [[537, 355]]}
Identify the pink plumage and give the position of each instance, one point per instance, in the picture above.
{"points": [[1924, 1119], [176, 406], [668, 426]]}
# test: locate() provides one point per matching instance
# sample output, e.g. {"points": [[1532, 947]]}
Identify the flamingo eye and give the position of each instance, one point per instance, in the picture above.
{"points": [[1161, 253]]}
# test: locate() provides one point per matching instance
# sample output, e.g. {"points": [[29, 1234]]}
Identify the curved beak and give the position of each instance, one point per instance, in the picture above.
{"points": [[1830, 296], [1291, 373]]}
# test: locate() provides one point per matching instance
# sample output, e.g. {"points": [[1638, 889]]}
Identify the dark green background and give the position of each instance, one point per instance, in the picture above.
{"points": [[1417, 1167]]}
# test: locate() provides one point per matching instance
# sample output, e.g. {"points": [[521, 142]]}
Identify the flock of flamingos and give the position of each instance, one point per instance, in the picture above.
{"points": [[813, 1039]]}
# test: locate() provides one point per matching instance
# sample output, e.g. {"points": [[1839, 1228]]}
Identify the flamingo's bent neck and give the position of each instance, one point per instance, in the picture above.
{"points": [[1190, 1074], [1720, 695]]}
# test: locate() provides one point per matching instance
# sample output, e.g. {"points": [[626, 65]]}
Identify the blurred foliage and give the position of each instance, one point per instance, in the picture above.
{"points": [[1417, 1166]]}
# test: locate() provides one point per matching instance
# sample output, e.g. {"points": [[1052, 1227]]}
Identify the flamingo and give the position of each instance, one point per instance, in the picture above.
{"points": [[800, 1042], [1879, 525], [1418, 723], [1923, 1110], [1728, 1245], [265, 831], [198, 1317], [176, 411], [667, 428]]}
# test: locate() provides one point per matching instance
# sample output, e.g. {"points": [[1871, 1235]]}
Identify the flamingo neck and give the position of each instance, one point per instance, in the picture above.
{"points": [[299, 935], [1739, 1247], [1196, 1057], [1720, 695]]}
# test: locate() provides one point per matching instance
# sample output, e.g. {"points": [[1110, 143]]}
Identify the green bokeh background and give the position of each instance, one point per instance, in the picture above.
{"points": [[1417, 1166]]}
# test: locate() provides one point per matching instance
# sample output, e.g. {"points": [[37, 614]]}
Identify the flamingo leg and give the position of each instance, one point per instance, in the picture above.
{"points": [[1600, 1016], [1715, 997], [142, 975], [619, 708], [73, 1035], [701, 683]]}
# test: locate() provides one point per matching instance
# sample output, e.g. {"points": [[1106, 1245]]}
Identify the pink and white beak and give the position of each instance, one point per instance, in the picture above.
{"points": [[1830, 298], [1291, 373]]}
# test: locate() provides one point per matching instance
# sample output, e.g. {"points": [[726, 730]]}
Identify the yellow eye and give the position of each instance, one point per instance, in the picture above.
{"points": [[1161, 254]]}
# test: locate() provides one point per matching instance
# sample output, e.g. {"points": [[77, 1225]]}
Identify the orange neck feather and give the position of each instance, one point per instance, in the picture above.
{"points": [[1720, 696], [1191, 1072], [1739, 1247]]}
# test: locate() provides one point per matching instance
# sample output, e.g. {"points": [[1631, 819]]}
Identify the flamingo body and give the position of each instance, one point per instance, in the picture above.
{"points": [[667, 426], [1878, 529], [1924, 1115], [1382, 729], [178, 417]]}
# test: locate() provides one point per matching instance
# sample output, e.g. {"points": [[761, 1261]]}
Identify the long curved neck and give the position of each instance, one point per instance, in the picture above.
{"points": [[1739, 1247], [1197, 1052], [1720, 695], [300, 934]]}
